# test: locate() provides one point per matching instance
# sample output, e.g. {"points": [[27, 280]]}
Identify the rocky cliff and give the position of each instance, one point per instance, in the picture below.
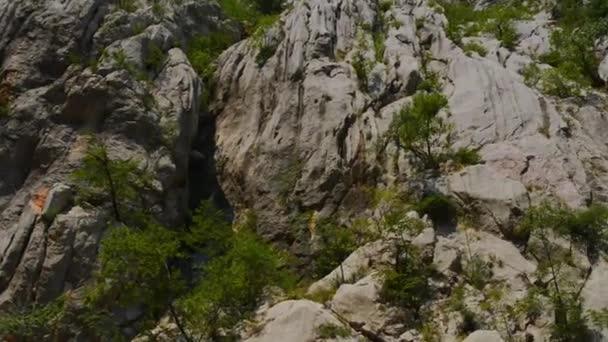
{"points": [[302, 117], [69, 69]]}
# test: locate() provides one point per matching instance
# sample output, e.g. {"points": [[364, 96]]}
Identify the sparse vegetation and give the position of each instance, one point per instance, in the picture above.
{"points": [[471, 47], [336, 244], [202, 53], [127, 5], [155, 57], [477, 272], [440, 208], [232, 284], [102, 178], [464, 156], [406, 284], [362, 69], [329, 330], [464, 20], [586, 228], [5, 104]]}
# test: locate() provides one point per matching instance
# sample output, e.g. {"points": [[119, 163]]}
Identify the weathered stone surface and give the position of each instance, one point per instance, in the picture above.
{"points": [[58, 199], [484, 336], [595, 292], [362, 261], [360, 305], [297, 321], [148, 113], [508, 264], [499, 198]]}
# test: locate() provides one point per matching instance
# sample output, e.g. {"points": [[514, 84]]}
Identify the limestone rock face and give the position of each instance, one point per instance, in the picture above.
{"points": [[305, 131], [484, 336], [297, 321], [76, 66]]}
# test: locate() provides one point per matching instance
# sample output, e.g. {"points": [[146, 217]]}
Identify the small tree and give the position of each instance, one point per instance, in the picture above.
{"points": [[585, 228], [232, 285], [119, 181], [337, 243], [406, 283], [135, 270], [420, 130]]}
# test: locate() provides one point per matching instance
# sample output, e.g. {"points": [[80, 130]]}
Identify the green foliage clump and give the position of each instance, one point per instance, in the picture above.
{"points": [[573, 44], [333, 331], [157, 8], [465, 156], [103, 178], [202, 54], [5, 108], [362, 69], [420, 130], [127, 5], [471, 47], [53, 320], [438, 207], [406, 284], [267, 46], [336, 244], [379, 37], [464, 20], [477, 272], [131, 257], [232, 285], [155, 57], [251, 12], [586, 228]]}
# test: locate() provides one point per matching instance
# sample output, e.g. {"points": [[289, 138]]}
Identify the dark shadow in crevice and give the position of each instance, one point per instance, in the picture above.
{"points": [[202, 175]]}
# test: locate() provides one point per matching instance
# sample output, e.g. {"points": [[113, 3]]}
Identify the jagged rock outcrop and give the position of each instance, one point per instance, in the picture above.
{"points": [[305, 132], [72, 67], [298, 320]]}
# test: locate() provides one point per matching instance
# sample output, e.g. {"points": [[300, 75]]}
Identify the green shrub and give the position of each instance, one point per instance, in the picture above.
{"points": [[574, 52], [102, 178], [503, 29], [232, 285], [421, 131], [564, 81], [131, 257], [379, 47], [202, 54], [362, 69], [532, 74], [53, 321], [336, 244], [386, 5], [332, 331], [127, 5], [251, 12], [465, 156], [158, 9], [265, 53], [155, 57], [464, 20], [586, 228], [440, 208], [471, 47], [407, 284], [470, 322], [477, 272]]}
